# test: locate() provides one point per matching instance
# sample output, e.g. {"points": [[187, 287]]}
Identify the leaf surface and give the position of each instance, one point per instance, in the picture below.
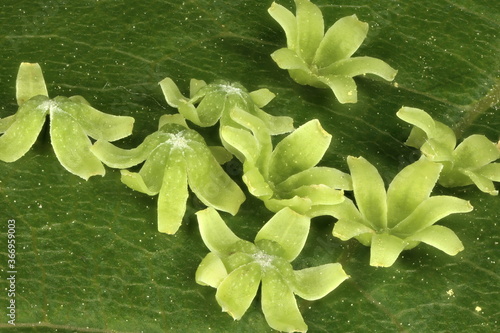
{"points": [[89, 256]]}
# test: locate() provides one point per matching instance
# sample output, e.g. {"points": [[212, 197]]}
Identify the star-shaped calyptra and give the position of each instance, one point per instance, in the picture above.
{"points": [[237, 268], [287, 176], [209, 103], [471, 162], [175, 157], [72, 122], [323, 60], [401, 217]]}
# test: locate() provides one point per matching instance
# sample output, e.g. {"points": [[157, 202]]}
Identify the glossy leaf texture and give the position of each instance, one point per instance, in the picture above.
{"points": [[89, 255]]}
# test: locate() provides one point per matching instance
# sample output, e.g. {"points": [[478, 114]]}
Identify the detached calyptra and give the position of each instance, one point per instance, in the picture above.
{"points": [[323, 60], [237, 268], [175, 157], [72, 121], [470, 162], [401, 217]]}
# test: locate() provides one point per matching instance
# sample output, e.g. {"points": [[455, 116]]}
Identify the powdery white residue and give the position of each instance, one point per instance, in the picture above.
{"points": [[178, 141], [263, 259]]}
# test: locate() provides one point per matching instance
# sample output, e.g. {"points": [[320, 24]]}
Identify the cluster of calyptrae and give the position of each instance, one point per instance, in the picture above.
{"points": [[285, 177]]}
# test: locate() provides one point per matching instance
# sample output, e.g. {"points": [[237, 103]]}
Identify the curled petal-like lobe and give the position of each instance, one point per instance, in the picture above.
{"points": [[385, 249], [343, 87], [287, 228], [172, 94], [172, 119], [275, 125], [96, 124], [318, 175], [237, 291], [74, 155], [346, 210], [345, 229], [316, 282], [299, 204], [418, 118], [490, 171], [444, 139], [287, 20], [289, 59], [23, 130], [29, 82], [256, 184], [260, 132], [172, 196], [440, 237], [221, 154], [482, 183], [6, 122], [341, 40], [124, 158], [211, 107], [360, 66], [209, 182], [243, 143], [253, 123], [279, 304], [211, 271], [294, 153], [410, 188], [476, 151], [429, 212], [215, 233], [310, 29], [319, 194], [195, 86], [261, 97], [153, 169], [135, 182], [369, 191]]}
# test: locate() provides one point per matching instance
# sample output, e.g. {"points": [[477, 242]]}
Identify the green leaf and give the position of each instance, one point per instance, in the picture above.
{"points": [[93, 247]]}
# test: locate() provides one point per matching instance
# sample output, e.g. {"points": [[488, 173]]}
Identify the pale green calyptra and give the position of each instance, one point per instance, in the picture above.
{"points": [[471, 162], [211, 103], [237, 268], [175, 157], [287, 176], [323, 60], [72, 121], [401, 217]]}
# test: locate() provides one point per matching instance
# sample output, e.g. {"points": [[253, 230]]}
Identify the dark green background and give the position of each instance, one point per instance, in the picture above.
{"points": [[89, 257]]}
